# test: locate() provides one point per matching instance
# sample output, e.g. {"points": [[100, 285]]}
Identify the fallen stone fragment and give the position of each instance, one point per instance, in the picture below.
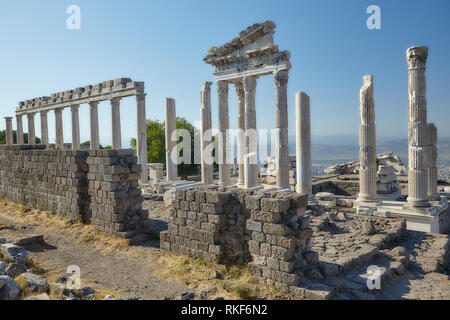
{"points": [[87, 292], [42, 296], [109, 297], [8, 288], [60, 289], [14, 253], [187, 296], [32, 240], [15, 270], [33, 282], [3, 267], [369, 228]]}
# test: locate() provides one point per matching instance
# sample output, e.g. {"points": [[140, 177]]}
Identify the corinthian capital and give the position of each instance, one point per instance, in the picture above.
{"points": [[281, 78], [222, 87], [417, 57]]}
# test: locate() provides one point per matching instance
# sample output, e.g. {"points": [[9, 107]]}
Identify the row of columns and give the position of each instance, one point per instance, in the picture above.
{"points": [[141, 138]]}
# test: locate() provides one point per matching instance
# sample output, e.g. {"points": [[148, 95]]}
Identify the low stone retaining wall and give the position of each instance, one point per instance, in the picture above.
{"points": [[93, 186], [269, 231]]}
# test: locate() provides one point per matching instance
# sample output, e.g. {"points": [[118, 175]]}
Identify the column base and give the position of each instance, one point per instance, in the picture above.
{"points": [[419, 203]]}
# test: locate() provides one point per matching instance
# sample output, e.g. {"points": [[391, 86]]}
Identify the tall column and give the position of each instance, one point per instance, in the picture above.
{"points": [[19, 130], [241, 131], [44, 128], [141, 136], [417, 157], [9, 133], [224, 125], [433, 193], [31, 131], [303, 143], [95, 140], [367, 144], [59, 129], [171, 154], [116, 132], [205, 139], [281, 124], [251, 143], [75, 127]]}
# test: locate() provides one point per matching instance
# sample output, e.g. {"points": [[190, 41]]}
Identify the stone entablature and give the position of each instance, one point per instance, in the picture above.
{"points": [[106, 90]]}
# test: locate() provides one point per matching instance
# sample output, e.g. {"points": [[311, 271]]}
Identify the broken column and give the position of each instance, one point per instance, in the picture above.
{"points": [[9, 133], [44, 127], [251, 143], [171, 154], [141, 136], [367, 144], [224, 125], [417, 127], [31, 131], [241, 131], [95, 140], [19, 130], [433, 193], [205, 139], [281, 123], [303, 143], [116, 133], [75, 127], [59, 129]]}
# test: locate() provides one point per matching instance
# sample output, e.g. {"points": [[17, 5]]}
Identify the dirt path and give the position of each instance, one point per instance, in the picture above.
{"points": [[104, 262]]}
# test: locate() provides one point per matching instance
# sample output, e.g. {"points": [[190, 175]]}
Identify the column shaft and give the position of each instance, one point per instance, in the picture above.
{"points": [[95, 140], [75, 127], [281, 124], [241, 131], [9, 133], [31, 131], [115, 124], [205, 139], [224, 125], [141, 136], [303, 143], [19, 130], [59, 129], [44, 128], [171, 152], [251, 143]]}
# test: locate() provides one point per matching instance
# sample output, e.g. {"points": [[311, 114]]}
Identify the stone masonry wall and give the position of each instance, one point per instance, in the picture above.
{"points": [[266, 230], [96, 186]]}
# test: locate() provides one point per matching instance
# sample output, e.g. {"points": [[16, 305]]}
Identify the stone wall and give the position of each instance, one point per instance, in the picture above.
{"points": [[266, 230], [96, 186]]}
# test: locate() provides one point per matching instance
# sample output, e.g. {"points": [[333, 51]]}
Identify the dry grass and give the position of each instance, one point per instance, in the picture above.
{"points": [[236, 282]]}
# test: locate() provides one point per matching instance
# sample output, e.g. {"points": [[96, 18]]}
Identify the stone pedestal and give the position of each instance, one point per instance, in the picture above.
{"points": [[171, 126], [141, 136], [241, 131], [59, 129], [251, 138], [367, 145], [9, 133], [281, 124], [303, 143], [224, 125], [31, 130], [75, 127], [116, 133], [95, 140], [205, 139], [19, 130], [44, 127], [417, 154]]}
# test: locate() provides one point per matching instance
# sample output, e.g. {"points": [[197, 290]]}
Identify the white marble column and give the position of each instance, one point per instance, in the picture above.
{"points": [[19, 130], [171, 126], [141, 136], [59, 129], [281, 125], [241, 131], [116, 132], [433, 193], [417, 155], [251, 143], [205, 139], [224, 125], [367, 144], [303, 143], [75, 127], [44, 128], [95, 139], [9, 133], [31, 130]]}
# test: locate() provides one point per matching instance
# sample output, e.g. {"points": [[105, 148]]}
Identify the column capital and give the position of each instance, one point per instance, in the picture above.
{"points": [[31, 114], [206, 86], [222, 87], [8, 118], [416, 57], [281, 78], [74, 106], [249, 84], [43, 112], [115, 100], [140, 96], [93, 104], [58, 111]]}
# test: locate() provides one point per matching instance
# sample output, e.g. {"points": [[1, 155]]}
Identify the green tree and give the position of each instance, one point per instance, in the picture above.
{"points": [[25, 137], [88, 144]]}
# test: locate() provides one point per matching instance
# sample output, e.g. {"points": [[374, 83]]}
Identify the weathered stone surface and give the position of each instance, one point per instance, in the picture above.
{"points": [[33, 282], [3, 267], [13, 253], [15, 270], [8, 288], [42, 296], [31, 240]]}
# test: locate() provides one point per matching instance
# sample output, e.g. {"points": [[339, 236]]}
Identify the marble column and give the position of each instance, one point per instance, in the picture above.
{"points": [[171, 126], [44, 128], [141, 136], [281, 125], [19, 130], [251, 143], [116, 132], [241, 131], [433, 193], [303, 143], [95, 139], [367, 144], [31, 130], [9, 133], [224, 125], [205, 139], [59, 129], [75, 127], [417, 156]]}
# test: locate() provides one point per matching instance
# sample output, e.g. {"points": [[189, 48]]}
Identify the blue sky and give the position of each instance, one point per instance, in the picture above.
{"points": [[163, 44]]}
